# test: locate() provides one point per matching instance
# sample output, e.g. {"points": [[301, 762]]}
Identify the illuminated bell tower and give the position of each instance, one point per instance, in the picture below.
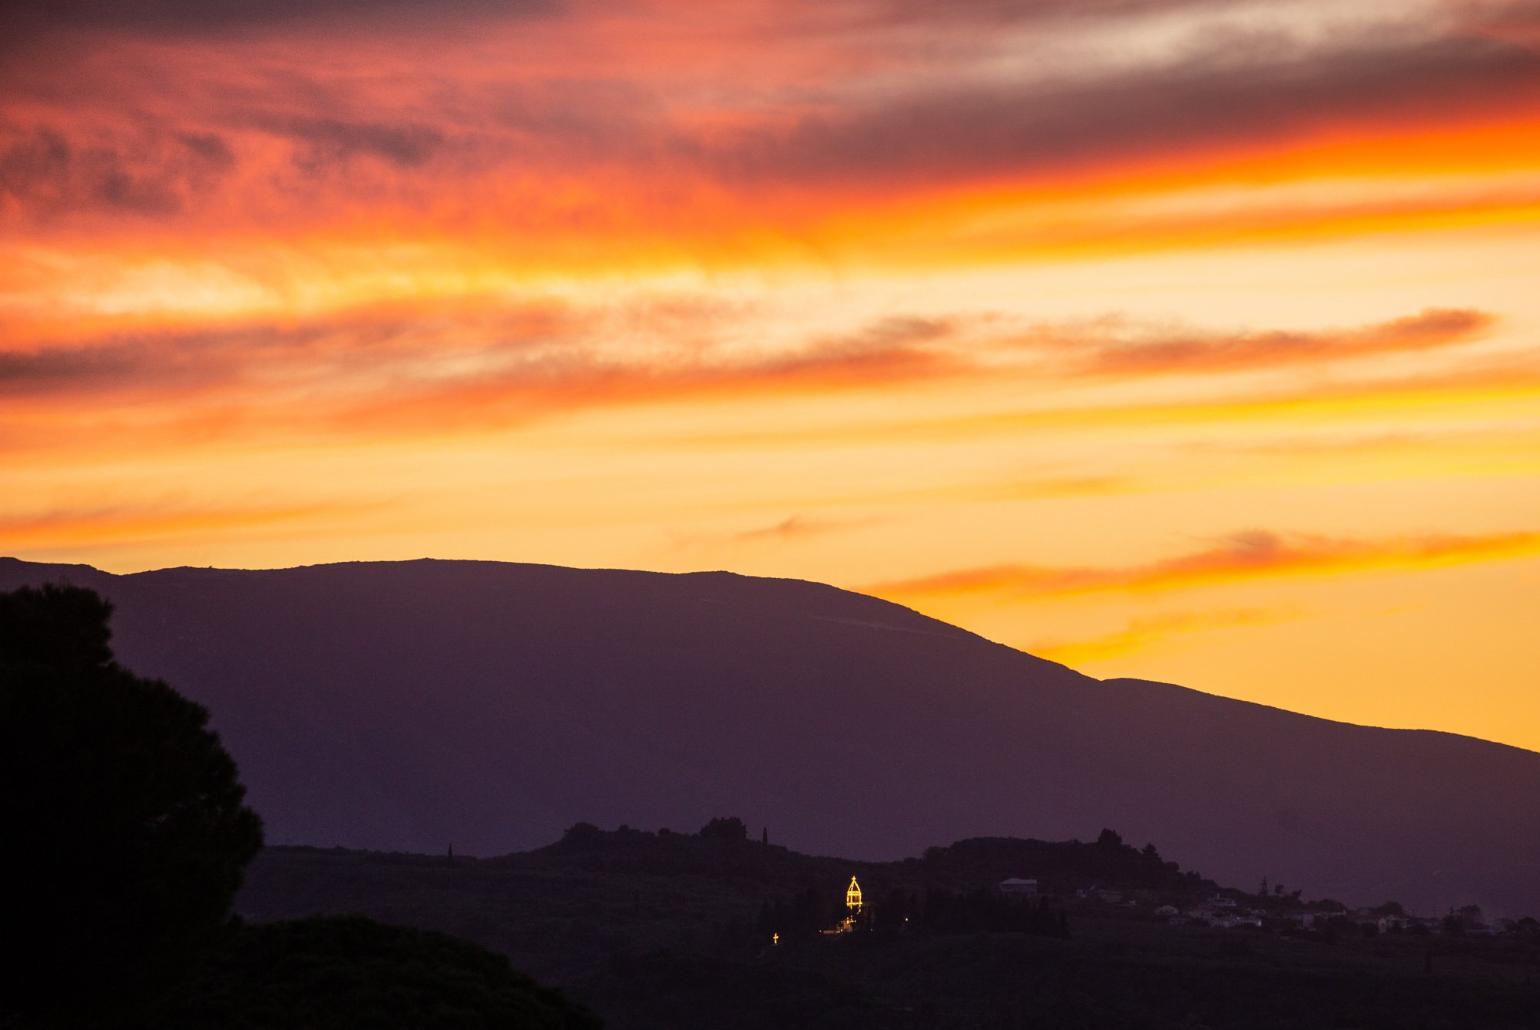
{"points": [[853, 898]]}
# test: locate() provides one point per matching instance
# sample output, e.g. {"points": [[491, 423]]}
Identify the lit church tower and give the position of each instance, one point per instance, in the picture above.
{"points": [[852, 910]]}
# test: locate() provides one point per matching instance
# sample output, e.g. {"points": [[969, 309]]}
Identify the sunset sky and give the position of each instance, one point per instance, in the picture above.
{"points": [[1192, 340]]}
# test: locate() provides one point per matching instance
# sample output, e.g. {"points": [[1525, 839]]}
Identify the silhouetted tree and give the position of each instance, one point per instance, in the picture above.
{"points": [[342, 973], [725, 828], [124, 829], [56, 628], [581, 834]]}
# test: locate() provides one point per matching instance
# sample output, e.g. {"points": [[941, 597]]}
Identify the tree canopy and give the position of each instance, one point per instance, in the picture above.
{"points": [[345, 972], [125, 825], [728, 827]]}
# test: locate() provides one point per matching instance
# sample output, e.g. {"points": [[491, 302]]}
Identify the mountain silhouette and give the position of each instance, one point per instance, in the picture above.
{"points": [[414, 705]]}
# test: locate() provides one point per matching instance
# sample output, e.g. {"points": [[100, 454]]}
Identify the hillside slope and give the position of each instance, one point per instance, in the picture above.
{"points": [[410, 705]]}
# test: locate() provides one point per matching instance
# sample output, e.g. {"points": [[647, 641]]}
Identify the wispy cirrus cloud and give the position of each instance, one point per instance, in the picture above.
{"points": [[472, 367], [1218, 352], [798, 527], [1144, 632], [545, 384], [386, 374], [1250, 554], [110, 525], [552, 348]]}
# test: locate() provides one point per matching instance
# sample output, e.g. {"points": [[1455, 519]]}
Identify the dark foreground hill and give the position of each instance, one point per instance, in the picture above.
{"points": [[413, 705]]}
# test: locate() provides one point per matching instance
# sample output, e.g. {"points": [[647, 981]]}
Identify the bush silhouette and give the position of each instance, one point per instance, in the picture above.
{"points": [[125, 828], [345, 972]]}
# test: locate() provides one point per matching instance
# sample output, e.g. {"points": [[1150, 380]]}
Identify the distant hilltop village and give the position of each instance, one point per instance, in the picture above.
{"points": [[952, 888], [1018, 904]]}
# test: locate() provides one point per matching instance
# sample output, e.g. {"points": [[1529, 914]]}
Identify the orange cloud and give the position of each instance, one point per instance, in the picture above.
{"points": [[391, 377], [796, 527], [1511, 383], [1432, 328], [576, 127], [107, 526], [1252, 554], [550, 383], [1141, 633], [467, 364]]}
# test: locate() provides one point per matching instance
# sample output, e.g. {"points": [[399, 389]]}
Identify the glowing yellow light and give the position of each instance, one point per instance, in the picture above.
{"points": [[853, 896]]}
